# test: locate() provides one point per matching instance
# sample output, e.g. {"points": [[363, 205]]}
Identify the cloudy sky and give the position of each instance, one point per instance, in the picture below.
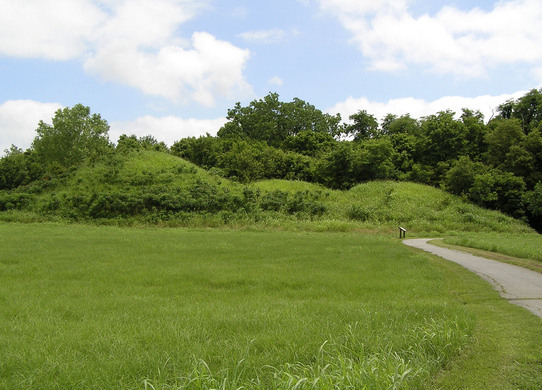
{"points": [[172, 68]]}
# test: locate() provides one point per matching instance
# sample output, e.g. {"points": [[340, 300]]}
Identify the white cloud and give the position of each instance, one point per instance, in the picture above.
{"points": [[418, 108], [212, 67], [50, 29], [276, 80], [167, 129], [133, 42], [454, 41], [19, 120], [264, 36]]}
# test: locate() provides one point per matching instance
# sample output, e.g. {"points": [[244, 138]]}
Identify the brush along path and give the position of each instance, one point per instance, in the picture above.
{"points": [[519, 285]]}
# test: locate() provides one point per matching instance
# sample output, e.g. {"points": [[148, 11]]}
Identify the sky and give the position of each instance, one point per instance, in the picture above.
{"points": [[173, 68]]}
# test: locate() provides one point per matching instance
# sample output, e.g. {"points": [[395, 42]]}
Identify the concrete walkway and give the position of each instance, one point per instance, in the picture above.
{"points": [[518, 285]]}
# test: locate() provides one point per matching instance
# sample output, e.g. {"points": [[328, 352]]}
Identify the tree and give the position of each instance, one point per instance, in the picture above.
{"points": [[364, 126], [75, 136], [533, 144], [127, 143], [500, 190], [393, 125], [527, 109], [476, 130], [503, 134], [273, 121], [519, 161], [309, 143], [444, 138], [460, 177], [18, 168], [148, 142], [405, 135], [202, 151], [335, 168], [243, 162], [374, 160], [533, 201]]}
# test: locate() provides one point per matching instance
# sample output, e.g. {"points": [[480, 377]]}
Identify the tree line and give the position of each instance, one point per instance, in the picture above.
{"points": [[496, 164]]}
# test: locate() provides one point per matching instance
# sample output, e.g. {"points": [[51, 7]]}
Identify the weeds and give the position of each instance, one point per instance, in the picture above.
{"points": [[343, 363]]}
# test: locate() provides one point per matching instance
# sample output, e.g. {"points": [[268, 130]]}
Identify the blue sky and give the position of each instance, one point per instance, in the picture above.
{"points": [[172, 68]]}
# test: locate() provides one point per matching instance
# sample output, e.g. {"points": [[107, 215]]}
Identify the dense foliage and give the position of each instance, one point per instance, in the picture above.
{"points": [[495, 164]]}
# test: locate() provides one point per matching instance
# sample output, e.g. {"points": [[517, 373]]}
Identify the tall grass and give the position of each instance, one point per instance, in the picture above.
{"points": [[384, 205], [346, 363], [98, 307], [528, 246]]}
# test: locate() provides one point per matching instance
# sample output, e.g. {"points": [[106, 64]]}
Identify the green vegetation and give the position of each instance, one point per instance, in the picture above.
{"points": [[269, 301], [86, 307], [496, 165], [532, 264], [152, 187], [526, 246]]}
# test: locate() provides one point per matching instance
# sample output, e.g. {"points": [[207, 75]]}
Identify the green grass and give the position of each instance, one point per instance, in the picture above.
{"points": [[532, 264], [101, 307], [385, 205], [528, 246]]}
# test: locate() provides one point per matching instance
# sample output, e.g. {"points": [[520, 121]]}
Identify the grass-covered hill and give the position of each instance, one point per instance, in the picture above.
{"points": [[150, 187]]}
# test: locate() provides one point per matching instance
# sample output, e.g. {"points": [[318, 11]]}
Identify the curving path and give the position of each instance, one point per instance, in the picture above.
{"points": [[518, 285]]}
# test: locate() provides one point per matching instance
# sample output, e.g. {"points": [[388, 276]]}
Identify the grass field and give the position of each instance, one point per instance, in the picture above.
{"points": [[101, 307], [528, 246]]}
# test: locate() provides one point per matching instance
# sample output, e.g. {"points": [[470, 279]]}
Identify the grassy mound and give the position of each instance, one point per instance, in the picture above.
{"points": [[384, 205], [156, 188]]}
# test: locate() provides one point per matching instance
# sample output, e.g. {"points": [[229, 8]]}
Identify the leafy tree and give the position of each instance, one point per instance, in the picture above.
{"points": [[393, 125], [500, 190], [309, 143], [405, 135], [374, 160], [527, 109], [364, 126], [202, 151], [335, 169], [459, 179], [272, 121], [476, 130], [506, 109], [502, 135], [18, 168], [148, 142], [75, 136], [533, 144], [444, 138], [242, 162], [533, 203], [519, 161], [127, 143], [421, 173]]}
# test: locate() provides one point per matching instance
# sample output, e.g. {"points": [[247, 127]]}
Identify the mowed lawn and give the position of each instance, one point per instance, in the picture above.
{"points": [[86, 307]]}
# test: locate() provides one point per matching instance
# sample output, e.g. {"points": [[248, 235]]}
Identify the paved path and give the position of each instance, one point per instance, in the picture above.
{"points": [[518, 285]]}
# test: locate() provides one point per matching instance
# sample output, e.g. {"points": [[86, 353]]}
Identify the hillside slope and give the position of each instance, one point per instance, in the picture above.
{"points": [[158, 188]]}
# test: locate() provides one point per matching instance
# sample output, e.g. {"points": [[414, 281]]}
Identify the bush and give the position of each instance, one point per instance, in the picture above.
{"points": [[15, 201], [274, 201], [360, 213]]}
